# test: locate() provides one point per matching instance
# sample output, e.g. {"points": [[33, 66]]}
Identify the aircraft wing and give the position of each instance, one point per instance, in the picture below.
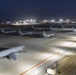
{"points": [[12, 55], [10, 52]]}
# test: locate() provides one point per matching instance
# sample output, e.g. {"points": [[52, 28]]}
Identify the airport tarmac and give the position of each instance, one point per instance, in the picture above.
{"points": [[67, 66], [40, 53]]}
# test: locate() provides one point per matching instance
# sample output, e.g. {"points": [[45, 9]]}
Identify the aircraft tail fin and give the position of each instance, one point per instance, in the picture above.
{"points": [[33, 27], [62, 26], [51, 27], [20, 32], [72, 27], [2, 30], [44, 34]]}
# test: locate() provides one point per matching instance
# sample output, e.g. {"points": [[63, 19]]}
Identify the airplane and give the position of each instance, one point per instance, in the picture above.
{"points": [[48, 35], [63, 29], [41, 28], [53, 28], [74, 30], [7, 32], [24, 34], [10, 53]]}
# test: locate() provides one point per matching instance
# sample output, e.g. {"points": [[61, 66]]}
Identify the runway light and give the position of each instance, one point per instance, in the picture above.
{"points": [[24, 21], [31, 20], [45, 20], [27, 20], [53, 20], [61, 20], [68, 20], [8, 22], [17, 23]]}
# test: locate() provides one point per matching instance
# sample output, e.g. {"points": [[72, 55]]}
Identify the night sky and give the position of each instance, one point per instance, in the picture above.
{"points": [[37, 9]]}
